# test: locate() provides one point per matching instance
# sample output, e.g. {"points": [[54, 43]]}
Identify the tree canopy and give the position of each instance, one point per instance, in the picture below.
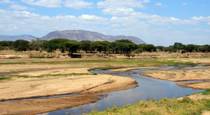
{"points": [[123, 46]]}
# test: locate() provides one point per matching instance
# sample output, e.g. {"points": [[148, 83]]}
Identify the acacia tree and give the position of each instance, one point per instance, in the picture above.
{"points": [[100, 46], [85, 45], [21, 45], [123, 47], [55, 44], [6, 45], [146, 47], [72, 46], [37, 45]]}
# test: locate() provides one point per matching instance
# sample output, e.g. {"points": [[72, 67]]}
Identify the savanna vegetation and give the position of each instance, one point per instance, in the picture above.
{"points": [[45, 72], [125, 47], [184, 106]]}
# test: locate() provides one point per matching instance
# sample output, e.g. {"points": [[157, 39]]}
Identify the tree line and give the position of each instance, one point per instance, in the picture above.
{"points": [[117, 47]]}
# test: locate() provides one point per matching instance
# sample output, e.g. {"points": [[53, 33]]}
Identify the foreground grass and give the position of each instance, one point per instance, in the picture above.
{"points": [[207, 92], [160, 107]]}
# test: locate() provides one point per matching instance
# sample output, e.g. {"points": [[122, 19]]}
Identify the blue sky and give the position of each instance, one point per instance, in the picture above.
{"points": [[161, 22]]}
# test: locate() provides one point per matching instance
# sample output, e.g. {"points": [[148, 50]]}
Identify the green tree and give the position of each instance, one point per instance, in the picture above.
{"points": [[85, 46], [72, 46], [123, 47], [56, 44], [37, 45], [4, 45], [146, 47], [100, 46], [21, 45]]}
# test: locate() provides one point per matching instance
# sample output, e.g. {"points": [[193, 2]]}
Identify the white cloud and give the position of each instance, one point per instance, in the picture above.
{"points": [[28, 22], [91, 17], [120, 11], [124, 7], [122, 4], [44, 3], [77, 4], [155, 27], [17, 7]]}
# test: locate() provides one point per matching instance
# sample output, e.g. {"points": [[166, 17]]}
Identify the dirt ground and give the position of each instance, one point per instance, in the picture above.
{"points": [[32, 87], [26, 82], [194, 78], [34, 106]]}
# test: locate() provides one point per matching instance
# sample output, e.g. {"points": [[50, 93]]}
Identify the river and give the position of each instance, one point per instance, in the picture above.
{"points": [[148, 88]]}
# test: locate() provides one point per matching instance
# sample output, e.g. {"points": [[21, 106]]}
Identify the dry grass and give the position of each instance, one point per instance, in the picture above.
{"points": [[185, 106]]}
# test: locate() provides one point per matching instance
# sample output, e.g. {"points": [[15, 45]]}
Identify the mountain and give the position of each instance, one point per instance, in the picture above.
{"points": [[13, 38], [88, 35]]}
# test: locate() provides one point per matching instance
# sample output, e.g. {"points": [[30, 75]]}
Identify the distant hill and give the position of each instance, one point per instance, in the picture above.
{"points": [[88, 35], [78, 35], [12, 38]]}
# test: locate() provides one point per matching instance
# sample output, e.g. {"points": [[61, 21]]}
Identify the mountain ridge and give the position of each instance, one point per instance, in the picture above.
{"points": [[78, 35], [88, 35], [16, 37]]}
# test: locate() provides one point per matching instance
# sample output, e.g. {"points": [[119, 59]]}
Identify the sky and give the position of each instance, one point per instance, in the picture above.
{"points": [[159, 22]]}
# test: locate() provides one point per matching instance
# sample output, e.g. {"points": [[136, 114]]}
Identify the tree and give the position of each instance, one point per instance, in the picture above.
{"points": [[85, 46], [146, 47], [204, 48], [191, 48], [123, 47], [21, 45], [37, 45], [72, 46], [100, 46], [179, 47], [6, 45], [55, 44]]}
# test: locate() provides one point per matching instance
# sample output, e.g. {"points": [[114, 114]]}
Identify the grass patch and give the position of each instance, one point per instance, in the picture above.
{"points": [[4, 78], [206, 92], [160, 107]]}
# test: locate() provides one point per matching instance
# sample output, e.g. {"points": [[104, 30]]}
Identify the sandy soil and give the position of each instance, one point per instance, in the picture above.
{"points": [[123, 69], [56, 72], [30, 67], [34, 106], [194, 78], [30, 87], [17, 93], [206, 113], [195, 60]]}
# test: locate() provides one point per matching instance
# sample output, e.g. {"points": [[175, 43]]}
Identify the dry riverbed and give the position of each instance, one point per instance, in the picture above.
{"points": [[18, 92], [198, 78]]}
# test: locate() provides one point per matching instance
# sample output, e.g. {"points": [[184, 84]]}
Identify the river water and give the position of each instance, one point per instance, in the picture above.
{"points": [[148, 88]]}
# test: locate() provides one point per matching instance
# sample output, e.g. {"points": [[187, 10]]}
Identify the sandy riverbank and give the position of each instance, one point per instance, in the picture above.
{"points": [[54, 81], [32, 87], [194, 77]]}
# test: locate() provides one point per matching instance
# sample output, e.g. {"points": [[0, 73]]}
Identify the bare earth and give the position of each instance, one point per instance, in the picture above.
{"points": [[194, 78], [34, 106], [31, 87], [43, 81]]}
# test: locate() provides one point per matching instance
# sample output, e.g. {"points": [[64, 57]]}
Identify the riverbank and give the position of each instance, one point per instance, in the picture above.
{"points": [[198, 103], [185, 106], [197, 78], [32, 92], [48, 78]]}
